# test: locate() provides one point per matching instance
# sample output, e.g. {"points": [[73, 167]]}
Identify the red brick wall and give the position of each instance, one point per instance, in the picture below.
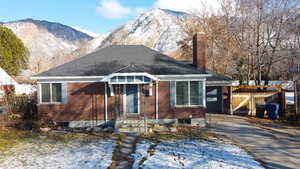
{"points": [[166, 111], [86, 101]]}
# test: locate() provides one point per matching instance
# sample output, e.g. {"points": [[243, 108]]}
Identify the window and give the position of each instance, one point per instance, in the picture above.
{"points": [[189, 93], [56, 92], [46, 93], [51, 93], [182, 97], [130, 79]]}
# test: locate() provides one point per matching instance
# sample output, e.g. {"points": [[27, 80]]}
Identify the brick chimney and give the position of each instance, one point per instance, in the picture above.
{"points": [[199, 46]]}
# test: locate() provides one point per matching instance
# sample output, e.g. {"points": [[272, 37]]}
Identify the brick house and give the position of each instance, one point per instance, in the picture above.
{"points": [[131, 81]]}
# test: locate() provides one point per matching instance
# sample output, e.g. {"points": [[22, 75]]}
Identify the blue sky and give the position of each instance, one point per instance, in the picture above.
{"points": [[98, 16]]}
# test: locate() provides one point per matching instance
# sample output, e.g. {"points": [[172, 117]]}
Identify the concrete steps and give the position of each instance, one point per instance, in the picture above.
{"points": [[132, 126]]}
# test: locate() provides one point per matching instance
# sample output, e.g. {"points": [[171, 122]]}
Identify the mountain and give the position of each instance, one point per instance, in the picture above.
{"points": [[90, 33], [159, 29], [48, 42]]}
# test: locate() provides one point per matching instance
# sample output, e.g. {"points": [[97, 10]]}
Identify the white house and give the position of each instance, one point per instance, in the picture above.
{"points": [[6, 79]]}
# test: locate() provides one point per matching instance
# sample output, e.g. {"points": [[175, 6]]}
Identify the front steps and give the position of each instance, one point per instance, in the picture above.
{"points": [[131, 126]]}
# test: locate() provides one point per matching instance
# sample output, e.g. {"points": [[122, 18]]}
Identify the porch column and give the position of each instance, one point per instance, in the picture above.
{"points": [[230, 100], [105, 98], [156, 101]]}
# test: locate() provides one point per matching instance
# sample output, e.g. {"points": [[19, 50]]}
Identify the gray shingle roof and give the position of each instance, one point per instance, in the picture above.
{"points": [[122, 58]]}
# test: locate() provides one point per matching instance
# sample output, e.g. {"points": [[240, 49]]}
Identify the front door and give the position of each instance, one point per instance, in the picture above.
{"points": [[214, 99], [132, 100]]}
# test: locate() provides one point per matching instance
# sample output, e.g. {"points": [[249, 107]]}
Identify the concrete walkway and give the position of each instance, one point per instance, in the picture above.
{"points": [[276, 149], [127, 147]]}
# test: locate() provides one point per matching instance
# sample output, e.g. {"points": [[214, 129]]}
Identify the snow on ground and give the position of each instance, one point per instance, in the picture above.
{"points": [[80, 155], [192, 154]]}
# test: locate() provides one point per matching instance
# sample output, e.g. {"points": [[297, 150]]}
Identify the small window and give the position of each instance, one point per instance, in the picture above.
{"points": [[114, 79], [138, 78], [189, 93], [130, 79], [121, 78], [184, 121], [147, 79], [51, 93]]}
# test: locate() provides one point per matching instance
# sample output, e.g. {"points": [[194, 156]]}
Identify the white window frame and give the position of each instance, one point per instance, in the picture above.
{"points": [[189, 95], [41, 94]]}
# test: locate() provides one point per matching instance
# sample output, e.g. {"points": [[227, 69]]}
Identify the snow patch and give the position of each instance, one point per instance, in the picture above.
{"points": [[95, 155], [192, 154]]}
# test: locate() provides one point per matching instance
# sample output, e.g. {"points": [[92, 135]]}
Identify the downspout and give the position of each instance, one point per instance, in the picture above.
{"points": [[105, 103]]}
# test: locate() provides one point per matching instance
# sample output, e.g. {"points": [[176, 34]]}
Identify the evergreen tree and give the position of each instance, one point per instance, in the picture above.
{"points": [[13, 53]]}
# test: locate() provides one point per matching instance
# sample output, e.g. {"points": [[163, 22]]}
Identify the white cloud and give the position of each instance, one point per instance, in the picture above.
{"points": [[188, 5], [112, 9]]}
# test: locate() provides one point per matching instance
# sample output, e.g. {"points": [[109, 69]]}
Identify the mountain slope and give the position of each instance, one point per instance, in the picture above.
{"points": [[48, 42], [159, 29]]}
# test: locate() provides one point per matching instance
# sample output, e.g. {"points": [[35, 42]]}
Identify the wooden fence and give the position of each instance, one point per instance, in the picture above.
{"points": [[246, 99]]}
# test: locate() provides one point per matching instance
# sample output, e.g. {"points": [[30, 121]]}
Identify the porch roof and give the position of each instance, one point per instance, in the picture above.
{"points": [[129, 78]]}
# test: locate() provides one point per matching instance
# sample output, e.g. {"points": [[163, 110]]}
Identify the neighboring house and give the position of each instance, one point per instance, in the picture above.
{"points": [[8, 83], [130, 81]]}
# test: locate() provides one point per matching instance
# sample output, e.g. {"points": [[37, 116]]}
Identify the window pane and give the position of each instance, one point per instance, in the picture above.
{"points": [[147, 79], [121, 78], [138, 78], [45, 92], [196, 93], [56, 92], [114, 79], [130, 78], [182, 93]]}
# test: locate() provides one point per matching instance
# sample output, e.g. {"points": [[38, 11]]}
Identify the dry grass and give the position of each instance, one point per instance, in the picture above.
{"points": [[11, 137], [183, 132]]}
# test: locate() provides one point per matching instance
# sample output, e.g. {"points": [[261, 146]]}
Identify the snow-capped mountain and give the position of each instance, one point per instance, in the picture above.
{"points": [[90, 33], [48, 42], [159, 29]]}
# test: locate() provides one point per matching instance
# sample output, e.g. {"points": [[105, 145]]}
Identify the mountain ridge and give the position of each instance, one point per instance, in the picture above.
{"points": [[48, 42]]}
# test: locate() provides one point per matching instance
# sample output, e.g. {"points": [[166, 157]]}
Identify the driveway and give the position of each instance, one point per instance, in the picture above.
{"points": [[276, 149]]}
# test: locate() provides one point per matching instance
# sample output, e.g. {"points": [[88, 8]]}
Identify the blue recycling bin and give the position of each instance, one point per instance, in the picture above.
{"points": [[273, 110]]}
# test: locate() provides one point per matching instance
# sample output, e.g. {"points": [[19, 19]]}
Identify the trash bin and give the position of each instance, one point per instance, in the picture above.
{"points": [[273, 111], [260, 110]]}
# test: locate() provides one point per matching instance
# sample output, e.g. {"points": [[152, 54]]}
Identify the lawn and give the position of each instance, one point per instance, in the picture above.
{"points": [[190, 148], [191, 153], [31, 150]]}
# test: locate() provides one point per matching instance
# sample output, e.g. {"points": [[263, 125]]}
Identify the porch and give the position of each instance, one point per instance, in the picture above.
{"points": [[135, 97]]}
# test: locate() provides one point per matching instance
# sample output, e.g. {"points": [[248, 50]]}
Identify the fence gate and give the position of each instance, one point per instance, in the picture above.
{"points": [[247, 99]]}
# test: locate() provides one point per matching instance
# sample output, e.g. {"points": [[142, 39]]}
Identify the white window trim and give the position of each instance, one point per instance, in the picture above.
{"points": [[41, 94], [189, 95]]}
